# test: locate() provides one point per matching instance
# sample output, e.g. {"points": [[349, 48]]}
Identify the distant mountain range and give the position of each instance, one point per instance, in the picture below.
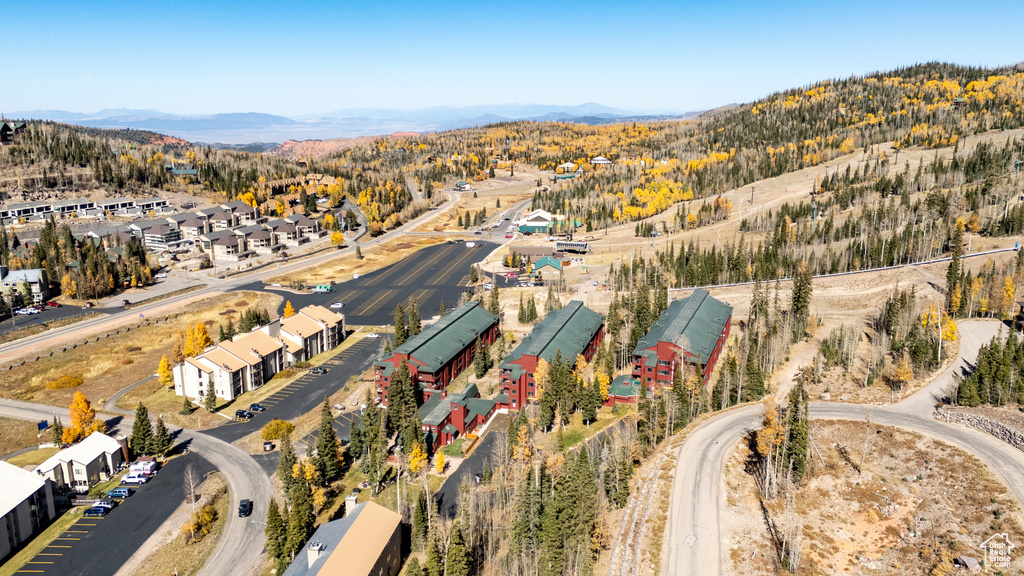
{"points": [[251, 127]]}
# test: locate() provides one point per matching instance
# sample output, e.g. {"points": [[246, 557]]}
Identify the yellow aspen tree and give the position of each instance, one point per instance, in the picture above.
{"points": [[164, 373], [289, 311], [417, 459], [603, 383], [904, 371], [540, 376], [439, 463], [1009, 290]]}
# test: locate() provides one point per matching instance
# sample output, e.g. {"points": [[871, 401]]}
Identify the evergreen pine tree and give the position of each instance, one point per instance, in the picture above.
{"points": [[230, 330], [414, 319], [210, 398], [459, 561], [797, 446], [522, 310], [493, 306], [480, 359], [485, 476], [222, 335], [359, 253], [413, 567], [552, 545], [328, 458], [419, 519], [161, 442], [274, 531], [440, 309], [57, 430], [300, 520], [432, 565], [401, 333], [285, 463], [142, 432]]}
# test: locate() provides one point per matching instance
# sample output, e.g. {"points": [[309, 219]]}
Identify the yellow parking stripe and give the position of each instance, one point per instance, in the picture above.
{"points": [[68, 538], [38, 562], [44, 554], [57, 546]]}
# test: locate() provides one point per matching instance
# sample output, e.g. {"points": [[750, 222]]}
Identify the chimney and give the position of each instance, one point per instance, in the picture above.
{"points": [[313, 552], [350, 503]]}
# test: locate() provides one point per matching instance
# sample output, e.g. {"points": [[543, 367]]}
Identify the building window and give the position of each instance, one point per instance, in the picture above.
{"points": [[663, 372], [664, 363]]}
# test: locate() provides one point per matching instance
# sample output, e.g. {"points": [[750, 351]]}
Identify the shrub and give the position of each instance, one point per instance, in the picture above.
{"points": [[133, 349], [200, 522], [127, 361], [65, 382], [277, 429]]}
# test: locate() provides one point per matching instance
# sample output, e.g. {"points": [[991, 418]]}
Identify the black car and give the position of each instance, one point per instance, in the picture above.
{"points": [[256, 407], [318, 370], [244, 508], [243, 414], [96, 511]]}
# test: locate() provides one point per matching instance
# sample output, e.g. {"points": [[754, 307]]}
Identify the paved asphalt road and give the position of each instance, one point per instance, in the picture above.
{"points": [[48, 314], [431, 275], [99, 546], [697, 491], [447, 496]]}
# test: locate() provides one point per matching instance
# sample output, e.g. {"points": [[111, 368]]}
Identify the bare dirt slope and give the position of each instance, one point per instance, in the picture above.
{"points": [[907, 512]]}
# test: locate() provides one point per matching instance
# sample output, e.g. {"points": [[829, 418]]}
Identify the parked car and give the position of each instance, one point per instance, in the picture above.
{"points": [[339, 407], [108, 504], [26, 311], [243, 414], [509, 235], [161, 275], [374, 335], [53, 304], [96, 511], [125, 302], [120, 492], [488, 286], [244, 508], [135, 479], [355, 276], [337, 305], [257, 407], [318, 370]]}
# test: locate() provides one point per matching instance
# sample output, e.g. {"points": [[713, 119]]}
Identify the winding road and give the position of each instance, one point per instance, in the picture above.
{"points": [[693, 537]]}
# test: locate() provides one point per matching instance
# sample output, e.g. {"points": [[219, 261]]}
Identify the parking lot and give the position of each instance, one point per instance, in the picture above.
{"points": [[430, 276], [99, 546]]}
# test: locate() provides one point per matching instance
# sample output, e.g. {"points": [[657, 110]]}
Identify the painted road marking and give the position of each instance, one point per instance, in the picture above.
{"points": [[373, 306], [44, 554], [68, 538], [38, 562], [57, 546]]}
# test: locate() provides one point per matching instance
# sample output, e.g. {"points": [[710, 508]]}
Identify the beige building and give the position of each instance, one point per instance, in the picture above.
{"points": [[366, 542], [79, 467], [26, 506], [250, 360]]}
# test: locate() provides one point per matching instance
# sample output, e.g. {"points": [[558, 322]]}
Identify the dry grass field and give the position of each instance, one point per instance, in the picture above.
{"points": [[110, 364], [916, 502], [18, 434]]}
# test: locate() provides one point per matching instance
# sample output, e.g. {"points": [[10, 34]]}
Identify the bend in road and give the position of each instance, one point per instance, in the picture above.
{"points": [[698, 487]]}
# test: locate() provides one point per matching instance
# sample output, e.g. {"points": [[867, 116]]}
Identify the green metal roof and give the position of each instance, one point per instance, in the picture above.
{"points": [[434, 410], [442, 340], [548, 261], [449, 429], [624, 387], [569, 330], [477, 407], [693, 323]]}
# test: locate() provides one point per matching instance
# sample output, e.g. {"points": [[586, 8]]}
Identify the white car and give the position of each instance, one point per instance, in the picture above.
{"points": [[488, 286], [355, 276], [374, 335], [161, 275], [26, 311], [337, 305], [135, 479]]}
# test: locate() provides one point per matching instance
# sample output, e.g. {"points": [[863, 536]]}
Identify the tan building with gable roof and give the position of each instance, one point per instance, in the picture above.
{"points": [[250, 360]]}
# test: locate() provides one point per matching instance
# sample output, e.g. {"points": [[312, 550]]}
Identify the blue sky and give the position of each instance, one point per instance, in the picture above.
{"points": [[296, 58]]}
